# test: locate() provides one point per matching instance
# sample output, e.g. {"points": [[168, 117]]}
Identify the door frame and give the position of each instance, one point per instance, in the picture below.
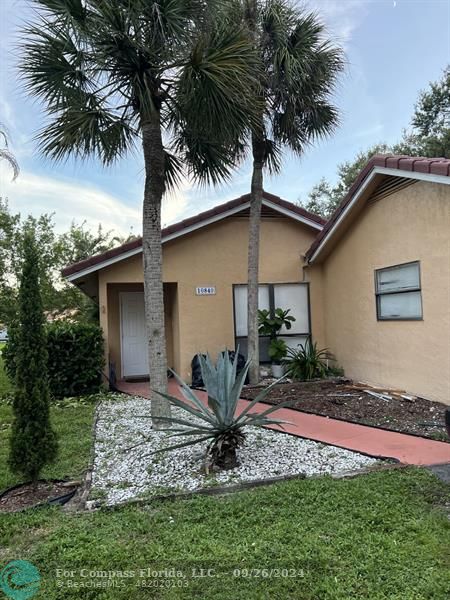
{"points": [[121, 296]]}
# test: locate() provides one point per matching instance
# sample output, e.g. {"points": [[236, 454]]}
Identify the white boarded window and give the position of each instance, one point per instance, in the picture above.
{"points": [[398, 292], [295, 297], [240, 306]]}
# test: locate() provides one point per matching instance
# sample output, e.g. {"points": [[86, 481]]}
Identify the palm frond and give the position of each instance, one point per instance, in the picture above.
{"points": [[86, 131], [301, 68], [173, 170], [102, 68], [53, 64], [214, 102], [9, 157], [62, 8]]}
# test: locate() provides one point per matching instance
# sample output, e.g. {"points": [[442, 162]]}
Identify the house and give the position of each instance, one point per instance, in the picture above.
{"points": [[379, 273], [372, 284], [204, 275]]}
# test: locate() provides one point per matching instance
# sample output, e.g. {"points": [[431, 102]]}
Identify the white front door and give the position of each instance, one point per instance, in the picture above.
{"points": [[133, 335]]}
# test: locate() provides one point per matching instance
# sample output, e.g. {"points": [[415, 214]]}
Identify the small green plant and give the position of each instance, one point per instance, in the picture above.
{"points": [[277, 351], [335, 371], [271, 326], [307, 361], [217, 421]]}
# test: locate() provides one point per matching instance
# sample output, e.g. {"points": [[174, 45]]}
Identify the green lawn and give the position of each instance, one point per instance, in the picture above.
{"points": [[378, 536]]}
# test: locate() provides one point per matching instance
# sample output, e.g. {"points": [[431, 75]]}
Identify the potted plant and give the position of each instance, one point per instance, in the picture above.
{"points": [[277, 352], [270, 325]]}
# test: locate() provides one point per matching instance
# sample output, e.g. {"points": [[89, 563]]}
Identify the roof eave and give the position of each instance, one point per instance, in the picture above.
{"points": [[358, 193], [173, 232]]}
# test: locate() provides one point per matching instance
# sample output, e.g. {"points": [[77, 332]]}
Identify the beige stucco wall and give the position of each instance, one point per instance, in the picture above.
{"points": [[409, 225], [215, 255]]}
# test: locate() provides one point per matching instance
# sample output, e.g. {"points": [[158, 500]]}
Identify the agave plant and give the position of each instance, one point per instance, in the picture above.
{"points": [[217, 421]]}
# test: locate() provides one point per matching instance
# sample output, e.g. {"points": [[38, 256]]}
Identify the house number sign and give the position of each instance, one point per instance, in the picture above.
{"points": [[205, 290]]}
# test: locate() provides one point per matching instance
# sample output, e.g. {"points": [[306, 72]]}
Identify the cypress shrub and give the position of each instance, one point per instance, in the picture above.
{"points": [[75, 358], [33, 443]]}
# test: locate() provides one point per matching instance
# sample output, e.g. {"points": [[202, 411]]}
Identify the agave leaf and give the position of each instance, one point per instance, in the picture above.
{"points": [[185, 406], [275, 407], [255, 422], [185, 432], [216, 408], [209, 376], [259, 398], [184, 445], [190, 395], [236, 391], [178, 421]]}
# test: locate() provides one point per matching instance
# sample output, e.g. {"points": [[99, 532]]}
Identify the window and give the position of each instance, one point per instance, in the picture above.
{"points": [[398, 293], [279, 295]]}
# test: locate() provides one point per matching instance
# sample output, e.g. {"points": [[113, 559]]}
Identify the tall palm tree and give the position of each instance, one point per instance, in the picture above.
{"points": [[6, 154], [298, 71], [164, 73]]}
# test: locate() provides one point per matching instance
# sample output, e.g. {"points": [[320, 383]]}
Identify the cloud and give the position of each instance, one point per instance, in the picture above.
{"points": [[176, 204], [342, 17], [68, 200]]}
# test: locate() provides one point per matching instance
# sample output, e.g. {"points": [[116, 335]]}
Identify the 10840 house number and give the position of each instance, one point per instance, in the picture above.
{"points": [[205, 290]]}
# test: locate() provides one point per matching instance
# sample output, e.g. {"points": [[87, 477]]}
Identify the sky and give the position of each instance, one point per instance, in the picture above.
{"points": [[394, 48]]}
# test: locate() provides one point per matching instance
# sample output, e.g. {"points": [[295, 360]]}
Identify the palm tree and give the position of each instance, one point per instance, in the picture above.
{"points": [[165, 73], [298, 72], [6, 154]]}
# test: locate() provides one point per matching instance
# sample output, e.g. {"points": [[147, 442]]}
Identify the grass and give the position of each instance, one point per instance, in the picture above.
{"points": [[5, 386], [72, 419], [378, 536]]}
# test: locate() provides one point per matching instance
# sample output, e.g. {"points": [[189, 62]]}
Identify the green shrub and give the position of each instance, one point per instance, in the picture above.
{"points": [[33, 442], [75, 358], [307, 362], [277, 350], [335, 371]]}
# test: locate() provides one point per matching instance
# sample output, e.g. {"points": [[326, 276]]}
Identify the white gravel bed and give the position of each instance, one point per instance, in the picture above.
{"points": [[122, 474]]}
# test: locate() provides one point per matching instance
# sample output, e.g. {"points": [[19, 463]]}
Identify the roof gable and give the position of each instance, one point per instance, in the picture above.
{"points": [[271, 202], [402, 167]]}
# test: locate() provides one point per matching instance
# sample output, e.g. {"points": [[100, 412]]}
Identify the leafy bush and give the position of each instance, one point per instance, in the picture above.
{"points": [[218, 422], [271, 326], [75, 358], [307, 362], [277, 350]]}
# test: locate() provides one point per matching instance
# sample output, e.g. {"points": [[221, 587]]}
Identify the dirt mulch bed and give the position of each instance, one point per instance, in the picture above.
{"points": [[28, 495], [342, 399]]}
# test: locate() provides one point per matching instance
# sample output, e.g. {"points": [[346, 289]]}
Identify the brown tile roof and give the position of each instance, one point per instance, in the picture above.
{"points": [[178, 227], [418, 164]]}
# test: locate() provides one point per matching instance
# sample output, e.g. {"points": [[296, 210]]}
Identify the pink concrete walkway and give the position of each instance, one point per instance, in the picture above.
{"points": [[408, 449]]}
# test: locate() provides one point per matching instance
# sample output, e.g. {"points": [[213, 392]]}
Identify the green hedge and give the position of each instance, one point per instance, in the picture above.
{"points": [[75, 358]]}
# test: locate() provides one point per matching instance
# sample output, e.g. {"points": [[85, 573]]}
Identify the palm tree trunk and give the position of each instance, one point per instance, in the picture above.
{"points": [[253, 259], [152, 257]]}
